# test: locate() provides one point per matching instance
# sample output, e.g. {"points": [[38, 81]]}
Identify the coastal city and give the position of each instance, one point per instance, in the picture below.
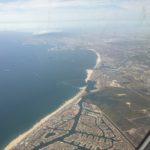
{"points": [[88, 120], [82, 126], [74, 75]]}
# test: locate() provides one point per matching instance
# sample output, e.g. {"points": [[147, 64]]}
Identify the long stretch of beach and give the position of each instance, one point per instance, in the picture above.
{"points": [[67, 104], [90, 71]]}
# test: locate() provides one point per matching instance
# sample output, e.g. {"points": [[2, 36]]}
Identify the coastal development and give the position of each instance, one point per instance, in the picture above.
{"points": [[110, 112], [77, 124], [75, 75], [81, 126]]}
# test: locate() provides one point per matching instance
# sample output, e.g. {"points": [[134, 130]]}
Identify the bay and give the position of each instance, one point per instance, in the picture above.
{"points": [[35, 81]]}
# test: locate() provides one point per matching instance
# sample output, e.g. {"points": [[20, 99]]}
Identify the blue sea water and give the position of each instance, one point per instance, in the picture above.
{"points": [[35, 81]]}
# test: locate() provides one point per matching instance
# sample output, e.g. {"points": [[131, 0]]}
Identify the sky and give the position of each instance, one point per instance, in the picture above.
{"points": [[56, 15]]}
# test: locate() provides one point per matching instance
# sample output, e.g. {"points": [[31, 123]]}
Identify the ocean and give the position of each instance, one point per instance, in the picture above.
{"points": [[35, 80]]}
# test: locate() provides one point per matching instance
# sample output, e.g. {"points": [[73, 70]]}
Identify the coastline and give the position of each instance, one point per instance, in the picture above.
{"points": [[98, 59], [90, 71], [66, 104]]}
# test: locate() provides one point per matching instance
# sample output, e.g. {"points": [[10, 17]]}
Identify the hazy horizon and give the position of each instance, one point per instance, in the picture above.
{"points": [[42, 16]]}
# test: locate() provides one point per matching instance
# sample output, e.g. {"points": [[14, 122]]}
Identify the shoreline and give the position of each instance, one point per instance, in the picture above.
{"points": [[89, 73], [74, 100], [66, 104], [98, 62]]}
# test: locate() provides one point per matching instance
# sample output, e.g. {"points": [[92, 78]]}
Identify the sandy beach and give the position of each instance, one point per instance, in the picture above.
{"points": [[67, 104], [98, 61], [90, 71]]}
